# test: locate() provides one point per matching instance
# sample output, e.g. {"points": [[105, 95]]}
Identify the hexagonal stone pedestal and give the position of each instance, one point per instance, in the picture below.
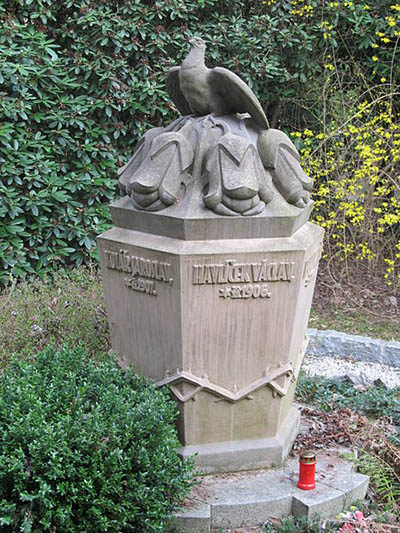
{"points": [[221, 322]]}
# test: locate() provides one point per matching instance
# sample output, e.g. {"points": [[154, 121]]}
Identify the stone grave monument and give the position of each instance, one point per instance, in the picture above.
{"points": [[209, 269]]}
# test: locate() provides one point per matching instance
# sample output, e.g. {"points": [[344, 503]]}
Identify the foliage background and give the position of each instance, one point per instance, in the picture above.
{"points": [[80, 81]]}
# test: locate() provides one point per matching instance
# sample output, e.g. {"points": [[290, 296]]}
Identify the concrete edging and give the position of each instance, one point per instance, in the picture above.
{"points": [[331, 343]]}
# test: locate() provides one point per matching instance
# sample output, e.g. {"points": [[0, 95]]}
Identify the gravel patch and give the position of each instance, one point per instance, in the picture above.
{"points": [[358, 372]]}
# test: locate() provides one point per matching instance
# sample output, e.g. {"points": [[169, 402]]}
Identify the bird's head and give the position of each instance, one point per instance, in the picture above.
{"points": [[197, 42]]}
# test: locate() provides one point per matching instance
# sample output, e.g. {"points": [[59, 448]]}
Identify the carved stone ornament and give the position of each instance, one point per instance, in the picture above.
{"points": [[223, 140], [204, 384]]}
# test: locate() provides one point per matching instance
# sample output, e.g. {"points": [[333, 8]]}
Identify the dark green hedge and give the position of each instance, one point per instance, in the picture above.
{"points": [[85, 446], [81, 80]]}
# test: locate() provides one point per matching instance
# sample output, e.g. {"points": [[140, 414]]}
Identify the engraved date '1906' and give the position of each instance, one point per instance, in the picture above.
{"points": [[244, 291]]}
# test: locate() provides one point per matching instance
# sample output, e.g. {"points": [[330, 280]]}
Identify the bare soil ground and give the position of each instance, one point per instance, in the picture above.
{"points": [[358, 302]]}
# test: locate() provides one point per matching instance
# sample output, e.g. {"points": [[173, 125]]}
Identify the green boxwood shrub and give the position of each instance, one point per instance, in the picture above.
{"points": [[85, 446]]}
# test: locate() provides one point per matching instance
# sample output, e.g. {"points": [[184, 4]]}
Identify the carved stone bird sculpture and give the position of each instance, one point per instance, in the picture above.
{"points": [[243, 163], [198, 90]]}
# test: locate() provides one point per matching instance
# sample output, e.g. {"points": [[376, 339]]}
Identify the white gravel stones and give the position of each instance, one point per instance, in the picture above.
{"points": [[359, 372]]}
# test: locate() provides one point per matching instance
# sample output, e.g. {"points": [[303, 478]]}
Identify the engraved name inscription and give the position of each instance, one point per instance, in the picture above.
{"points": [[144, 272], [232, 272]]}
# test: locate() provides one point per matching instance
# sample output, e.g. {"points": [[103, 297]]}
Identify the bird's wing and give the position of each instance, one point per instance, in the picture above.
{"points": [[237, 96], [174, 90]]}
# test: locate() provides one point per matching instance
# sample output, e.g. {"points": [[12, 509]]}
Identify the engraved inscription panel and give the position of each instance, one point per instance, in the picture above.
{"points": [[311, 267], [144, 272], [253, 276]]}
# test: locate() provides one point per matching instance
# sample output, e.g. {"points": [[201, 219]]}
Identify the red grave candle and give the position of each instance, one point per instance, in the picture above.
{"points": [[307, 463]]}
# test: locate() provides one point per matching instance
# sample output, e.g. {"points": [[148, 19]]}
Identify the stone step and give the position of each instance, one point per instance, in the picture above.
{"points": [[223, 503]]}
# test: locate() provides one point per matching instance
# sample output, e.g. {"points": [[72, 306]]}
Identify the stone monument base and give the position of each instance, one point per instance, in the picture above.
{"points": [[222, 324], [245, 500], [248, 454]]}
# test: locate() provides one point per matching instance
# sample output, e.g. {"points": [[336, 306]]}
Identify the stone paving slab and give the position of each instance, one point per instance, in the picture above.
{"points": [[246, 499]]}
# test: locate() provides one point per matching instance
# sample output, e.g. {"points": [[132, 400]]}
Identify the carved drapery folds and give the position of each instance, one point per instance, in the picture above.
{"points": [[241, 166]]}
